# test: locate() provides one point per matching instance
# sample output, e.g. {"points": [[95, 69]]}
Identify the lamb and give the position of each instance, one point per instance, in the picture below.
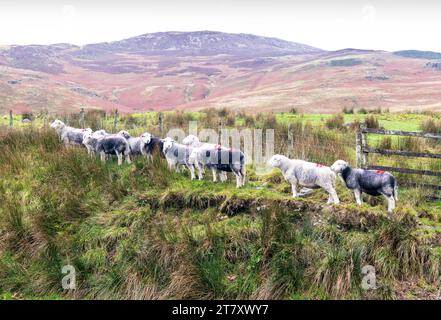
{"points": [[372, 182], [69, 135], [90, 143], [136, 144], [151, 144], [194, 142], [108, 145], [177, 155], [220, 159], [306, 174]]}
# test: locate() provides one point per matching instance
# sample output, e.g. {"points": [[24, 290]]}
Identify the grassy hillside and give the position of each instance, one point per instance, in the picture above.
{"points": [[142, 232], [55, 79]]}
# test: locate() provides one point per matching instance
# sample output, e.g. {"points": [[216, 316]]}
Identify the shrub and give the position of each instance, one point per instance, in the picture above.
{"points": [[348, 110], [336, 122], [372, 122], [267, 120], [431, 125]]}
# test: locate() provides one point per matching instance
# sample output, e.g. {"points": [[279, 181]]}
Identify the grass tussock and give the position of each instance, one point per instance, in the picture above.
{"points": [[431, 125], [143, 232]]}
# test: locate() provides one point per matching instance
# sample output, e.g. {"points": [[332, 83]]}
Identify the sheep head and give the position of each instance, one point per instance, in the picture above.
{"points": [[57, 125], [339, 166], [275, 161], [146, 137]]}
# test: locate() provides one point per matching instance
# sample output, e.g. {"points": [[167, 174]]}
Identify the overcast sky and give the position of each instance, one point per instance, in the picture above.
{"points": [[327, 24]]}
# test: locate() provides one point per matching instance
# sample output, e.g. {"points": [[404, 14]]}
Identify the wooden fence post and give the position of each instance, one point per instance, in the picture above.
{"points": [[82, 118], [359, 148], [115, 120], [364, 155], [221, 126], [160, 124], [290, 141], [11, 119]]}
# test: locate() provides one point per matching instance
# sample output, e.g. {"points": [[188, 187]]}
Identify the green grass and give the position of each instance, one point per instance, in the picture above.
{"points": [[141, 232], [390, 121]]}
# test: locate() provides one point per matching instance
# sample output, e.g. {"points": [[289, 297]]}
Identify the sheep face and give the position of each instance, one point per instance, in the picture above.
{"points": [[190, 140], [146, 138], [339, 166], [168, 143], [86, 131], [124, 133], [275, 161], [57, 125], [87, 138]]}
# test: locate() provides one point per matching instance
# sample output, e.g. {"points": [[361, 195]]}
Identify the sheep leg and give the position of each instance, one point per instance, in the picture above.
{"points": [[294, 189], [242, 179], [214, 171], [120, 158], [200, 171], [223, 176], [128, 159], [191, 168], [334, 196], [330, 201], [238, 180], [170, 165], [358, 197], [390, 203], [103, 156]]}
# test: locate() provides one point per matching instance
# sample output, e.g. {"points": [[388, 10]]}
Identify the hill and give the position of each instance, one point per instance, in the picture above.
{"points": [[419, 54], [197, 70]]}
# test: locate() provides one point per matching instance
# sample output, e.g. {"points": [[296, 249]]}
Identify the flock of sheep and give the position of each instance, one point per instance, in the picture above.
{"points": [[196, 155]]}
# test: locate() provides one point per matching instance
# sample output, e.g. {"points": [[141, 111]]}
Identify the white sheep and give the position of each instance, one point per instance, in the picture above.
{"points": [[306, 174], [136, 143], [112, 144], [197, 158], [69, 135], [177, 155]]}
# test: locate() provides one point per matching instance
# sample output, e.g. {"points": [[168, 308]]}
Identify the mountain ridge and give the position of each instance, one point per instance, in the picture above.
{"points": [[201, 69], [201, 43]]}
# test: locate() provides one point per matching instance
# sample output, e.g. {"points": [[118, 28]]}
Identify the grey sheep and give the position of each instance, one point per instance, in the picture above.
{"points": [[372, 182]]}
